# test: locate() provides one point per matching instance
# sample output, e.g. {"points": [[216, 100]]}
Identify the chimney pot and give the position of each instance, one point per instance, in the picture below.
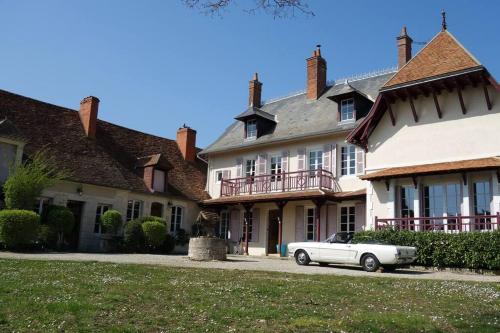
{"points": [[316, 75], [404, 47], [186, 140], [255, 92], [89, 108]]}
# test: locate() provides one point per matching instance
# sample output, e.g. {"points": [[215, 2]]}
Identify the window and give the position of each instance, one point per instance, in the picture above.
{"points": [[310, 224], [134, 208], [101, 209], [218, 177], [176, 218], [276, 168], [223, 224], [250, 168], [315, 161], [442, 200], [482, 199], [347, 110], [251, 129], [7, 158], [249, 219], [157, 209], [347, 218], [159, 180], [348, 165]]}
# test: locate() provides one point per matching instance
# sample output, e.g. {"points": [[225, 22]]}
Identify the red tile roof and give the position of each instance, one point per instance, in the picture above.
{"points": [[110, 159], [442, 55]]}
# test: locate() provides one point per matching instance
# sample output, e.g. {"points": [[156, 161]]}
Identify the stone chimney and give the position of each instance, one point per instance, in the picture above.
{"points": [[186, 140], [255, 92], [316, 75], [89, 107], [404, 48]]}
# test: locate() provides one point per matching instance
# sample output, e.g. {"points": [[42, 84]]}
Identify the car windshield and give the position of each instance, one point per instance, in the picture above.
{"points": [[340, 237]]}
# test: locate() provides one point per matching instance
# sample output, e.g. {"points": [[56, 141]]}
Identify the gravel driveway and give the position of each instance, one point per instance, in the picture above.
{"points": [[251, 263]]}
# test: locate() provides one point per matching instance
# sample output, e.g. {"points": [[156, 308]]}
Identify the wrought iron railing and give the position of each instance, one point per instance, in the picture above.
{"points": [[452, 224], [281, 182]]}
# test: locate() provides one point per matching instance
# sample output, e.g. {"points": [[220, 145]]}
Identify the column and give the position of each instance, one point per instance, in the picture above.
{"points": [[465, 203]]}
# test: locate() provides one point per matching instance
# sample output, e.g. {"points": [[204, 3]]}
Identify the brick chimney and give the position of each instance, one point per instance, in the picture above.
{"points": [[89, 107], [186, 140], [255, 92], [404, 48], [316, 75]]}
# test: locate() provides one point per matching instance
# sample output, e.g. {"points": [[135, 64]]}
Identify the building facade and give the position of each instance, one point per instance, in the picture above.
{"points": [[107, 166]]}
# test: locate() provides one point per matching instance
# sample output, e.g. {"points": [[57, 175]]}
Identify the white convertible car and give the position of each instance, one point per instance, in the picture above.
{"points": [[339, 249]]}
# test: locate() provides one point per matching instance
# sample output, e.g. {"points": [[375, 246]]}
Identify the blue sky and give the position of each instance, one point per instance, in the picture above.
{"points": [[158, 64]]}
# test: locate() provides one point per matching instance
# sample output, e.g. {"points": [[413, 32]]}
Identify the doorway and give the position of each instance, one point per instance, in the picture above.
{"points": [[272, 231], [73, 239]]}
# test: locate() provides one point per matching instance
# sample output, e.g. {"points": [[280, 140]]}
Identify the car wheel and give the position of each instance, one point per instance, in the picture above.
{"points": [[370, 263], [323, 264], [302, 258]]}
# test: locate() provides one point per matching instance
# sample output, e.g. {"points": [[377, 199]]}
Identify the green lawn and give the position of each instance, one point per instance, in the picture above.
{"points": [[44, 296]]}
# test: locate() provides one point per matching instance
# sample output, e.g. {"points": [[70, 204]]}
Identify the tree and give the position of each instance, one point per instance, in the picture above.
{"points": [[62, 221], [28, 179], [276, 8]]}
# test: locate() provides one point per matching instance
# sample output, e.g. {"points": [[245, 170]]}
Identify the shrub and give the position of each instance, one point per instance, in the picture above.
{"points": [[153, 219], [133, 236], [154, 233], [474, 250], [27, 181], [111, 221], [168, 244], [18, 228], [46, 236], [61, 220], [181, 237]]}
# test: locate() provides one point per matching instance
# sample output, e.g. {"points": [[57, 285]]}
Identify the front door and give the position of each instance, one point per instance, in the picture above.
{"points": [[272, 231], [76, 208]]}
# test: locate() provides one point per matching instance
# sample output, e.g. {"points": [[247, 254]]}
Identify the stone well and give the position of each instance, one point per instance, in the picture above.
{"points": [[207, 248]]}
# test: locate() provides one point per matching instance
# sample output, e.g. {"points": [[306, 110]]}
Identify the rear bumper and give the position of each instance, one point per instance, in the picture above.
{"points": [[403, 261]]}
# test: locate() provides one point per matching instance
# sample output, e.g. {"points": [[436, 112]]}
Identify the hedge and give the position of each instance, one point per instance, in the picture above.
{"points": [[473, 250], [154, 233], [18, 228]]}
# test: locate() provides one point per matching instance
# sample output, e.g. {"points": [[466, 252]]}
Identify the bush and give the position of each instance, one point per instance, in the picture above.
{"points": [[181, 237], [61, 220], [133, 236], [154, 233], [111, 221], [18, 228], [153, 219], [168, 244], [474, 250]]}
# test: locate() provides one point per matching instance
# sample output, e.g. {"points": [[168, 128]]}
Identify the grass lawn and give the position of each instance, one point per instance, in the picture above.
{"points": [[45, 296]]}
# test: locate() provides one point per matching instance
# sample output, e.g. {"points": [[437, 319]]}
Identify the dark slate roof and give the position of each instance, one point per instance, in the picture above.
{"points": [[298, 117], [109, 160], [253, 111]]}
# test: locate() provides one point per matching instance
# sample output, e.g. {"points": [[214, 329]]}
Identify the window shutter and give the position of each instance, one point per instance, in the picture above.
{"points": [[334, 160], [239, 167], [327, 153], [301, 159], [255, 224], [284, 160], [332, 219], [359, 216], [261, 164], [234, 225], [360, 161], [299, 223]]}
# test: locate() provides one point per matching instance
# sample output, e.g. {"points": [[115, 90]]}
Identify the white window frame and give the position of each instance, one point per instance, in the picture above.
{"points": [[176, 218], [250, 226], [349, 170], [251, 129], [101, 208], [307, 210], [224, 224], [253, 165], [353, 111], [276, 167], [217, 173], [349, 224], [135, 212]]}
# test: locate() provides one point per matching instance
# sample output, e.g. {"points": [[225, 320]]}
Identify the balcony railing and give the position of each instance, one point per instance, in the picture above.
{"points": [[281, 182], [451, 224]]}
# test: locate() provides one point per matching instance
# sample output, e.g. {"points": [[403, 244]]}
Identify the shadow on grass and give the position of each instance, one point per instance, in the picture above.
{"points": [[359, 269]]}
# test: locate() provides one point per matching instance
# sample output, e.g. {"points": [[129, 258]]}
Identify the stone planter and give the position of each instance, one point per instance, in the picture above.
{"points": [[207, 248]]}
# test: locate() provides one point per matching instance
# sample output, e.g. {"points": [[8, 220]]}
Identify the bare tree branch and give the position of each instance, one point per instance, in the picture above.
{"points": [[276, 8]]}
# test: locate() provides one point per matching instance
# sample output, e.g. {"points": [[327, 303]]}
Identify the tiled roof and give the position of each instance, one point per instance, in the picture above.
{"points": [[435, 168], [108, 160], [442, 55]]}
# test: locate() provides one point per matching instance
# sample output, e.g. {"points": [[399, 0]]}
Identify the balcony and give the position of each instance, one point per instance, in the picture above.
{"points": [[283, 182], [450, 224]]}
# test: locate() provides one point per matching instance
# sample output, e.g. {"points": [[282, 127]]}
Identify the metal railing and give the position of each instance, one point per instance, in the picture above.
{"points": [[280, 182], [452, 224]]}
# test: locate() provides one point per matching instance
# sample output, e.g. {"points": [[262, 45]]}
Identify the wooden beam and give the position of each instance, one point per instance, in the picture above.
{"points": [[387, 184], [448, 86], [248, 209], [415, 183], [318, 203], [413, 111], [486, 95], [281, 204], [460, 97], [464, 178], [389, 109], [436, 103], [423, 90]]}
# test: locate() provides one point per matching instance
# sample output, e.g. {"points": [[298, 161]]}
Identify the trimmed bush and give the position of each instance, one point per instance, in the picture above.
{"points": [[154, 233], [181, 237], [61, 220], [168, 244], [133, 236], [18, 228], [153, 219], [474, 250], [111, 221]]}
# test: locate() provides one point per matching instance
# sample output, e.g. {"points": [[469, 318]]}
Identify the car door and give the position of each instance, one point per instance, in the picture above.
{"points": [[334, 252]]}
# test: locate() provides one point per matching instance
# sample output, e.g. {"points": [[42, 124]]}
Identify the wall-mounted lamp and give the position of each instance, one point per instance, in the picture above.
{"points": [[169, 204], [79, 190]]}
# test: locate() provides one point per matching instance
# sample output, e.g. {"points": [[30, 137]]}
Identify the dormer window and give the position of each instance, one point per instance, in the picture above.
{"points": [[251, 129], [347, 110]]}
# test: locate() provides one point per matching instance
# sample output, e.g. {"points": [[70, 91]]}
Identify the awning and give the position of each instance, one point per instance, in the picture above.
{"points": [[489, 163]]}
